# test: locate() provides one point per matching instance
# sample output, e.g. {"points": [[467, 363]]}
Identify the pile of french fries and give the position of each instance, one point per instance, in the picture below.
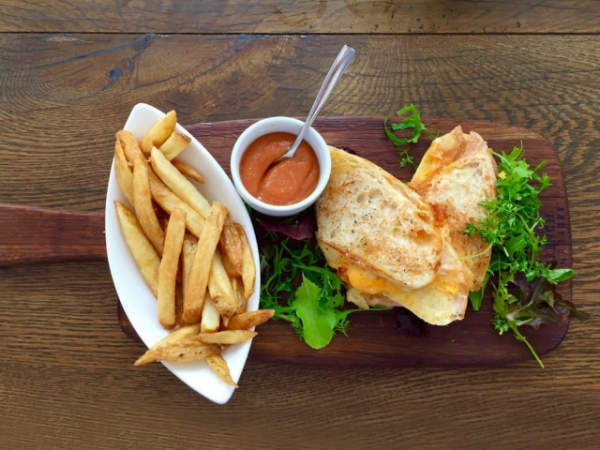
{"points": [[195, 260]]}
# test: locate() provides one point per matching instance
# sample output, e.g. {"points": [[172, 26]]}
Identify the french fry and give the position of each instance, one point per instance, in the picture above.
{"points": [[228, 265], [188, 171], [232, 244], [173, 338], [173, 146], [146, 144], [181, 345], [179, 335], [220, 288], [160, 132], [186, 350], [210, 316], [250, 319], [169, 201], [190, 245], [207, 244], [142, 250], [248, 267], [238, 291], [228, 337], [129, 144], [142, 202], [219, 366], [123, 172], [179, 184], [167, 271]]}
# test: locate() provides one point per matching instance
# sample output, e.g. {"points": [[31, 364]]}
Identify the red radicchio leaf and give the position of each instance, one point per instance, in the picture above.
{"points": [[299, 227], [539, 303]]}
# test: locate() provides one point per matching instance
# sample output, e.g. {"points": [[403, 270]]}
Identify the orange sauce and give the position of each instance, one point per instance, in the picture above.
{"points": [[271, 179]]}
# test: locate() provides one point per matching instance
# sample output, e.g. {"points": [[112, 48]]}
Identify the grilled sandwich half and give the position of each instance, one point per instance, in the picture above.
{"points": [[456, 174], [388, 244]]}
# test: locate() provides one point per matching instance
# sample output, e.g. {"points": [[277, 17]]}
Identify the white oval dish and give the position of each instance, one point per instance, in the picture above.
{"points": [[138, 301]]}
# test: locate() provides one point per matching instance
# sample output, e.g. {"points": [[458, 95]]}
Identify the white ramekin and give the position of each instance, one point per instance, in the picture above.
{"points": [[274, 125]]}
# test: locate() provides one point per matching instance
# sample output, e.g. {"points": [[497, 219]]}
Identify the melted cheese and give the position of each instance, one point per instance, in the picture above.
{"points": [[440, 302], [365, 281], [369, 283]]}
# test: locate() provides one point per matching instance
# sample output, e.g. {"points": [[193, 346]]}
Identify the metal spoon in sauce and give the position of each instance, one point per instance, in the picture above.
{"points": [[331, 80]]}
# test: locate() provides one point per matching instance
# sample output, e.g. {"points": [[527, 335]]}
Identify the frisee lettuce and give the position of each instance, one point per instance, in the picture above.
{"points": [[523, 288]]}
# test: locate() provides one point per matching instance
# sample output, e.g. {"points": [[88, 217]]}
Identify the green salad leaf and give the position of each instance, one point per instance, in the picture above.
{"points": [[317, 323], [411, 122]]}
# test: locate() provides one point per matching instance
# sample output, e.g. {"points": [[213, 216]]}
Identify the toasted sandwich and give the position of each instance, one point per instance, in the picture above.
{"points": [[455, 175], [388, 244]]}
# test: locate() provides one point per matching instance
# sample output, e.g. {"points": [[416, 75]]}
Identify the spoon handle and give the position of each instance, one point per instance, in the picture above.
{"points": [[331, 80]]}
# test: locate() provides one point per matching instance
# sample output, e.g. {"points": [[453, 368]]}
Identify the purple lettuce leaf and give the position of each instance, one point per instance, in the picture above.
{"points": [[298, 227]]}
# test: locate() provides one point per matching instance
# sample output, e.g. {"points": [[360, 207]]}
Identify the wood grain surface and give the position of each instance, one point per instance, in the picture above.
{"points": [[66, 379], [301, 16], [37, 235]]}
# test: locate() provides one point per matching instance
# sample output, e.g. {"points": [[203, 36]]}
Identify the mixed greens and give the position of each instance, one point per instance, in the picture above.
{"points": [[523, 289], [302, 289]]}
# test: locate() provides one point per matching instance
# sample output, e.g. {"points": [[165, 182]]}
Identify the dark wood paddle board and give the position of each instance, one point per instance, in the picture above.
{"points": [[36, 234]]}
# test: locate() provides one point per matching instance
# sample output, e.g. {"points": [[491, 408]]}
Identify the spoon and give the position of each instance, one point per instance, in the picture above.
{"points": [[331, 80]]}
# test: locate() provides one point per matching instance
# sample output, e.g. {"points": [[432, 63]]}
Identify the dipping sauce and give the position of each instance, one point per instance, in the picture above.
{"points": [[278, 181]]}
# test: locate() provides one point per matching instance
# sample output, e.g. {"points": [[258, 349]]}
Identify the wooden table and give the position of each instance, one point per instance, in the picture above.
{"points": [[70, 71]]}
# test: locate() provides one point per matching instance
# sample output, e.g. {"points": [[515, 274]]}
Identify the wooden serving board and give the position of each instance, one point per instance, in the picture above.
{"points": [[373, 337]]}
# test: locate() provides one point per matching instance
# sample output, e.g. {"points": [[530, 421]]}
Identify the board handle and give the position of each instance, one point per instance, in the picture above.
{"points": [[31, 235]]}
